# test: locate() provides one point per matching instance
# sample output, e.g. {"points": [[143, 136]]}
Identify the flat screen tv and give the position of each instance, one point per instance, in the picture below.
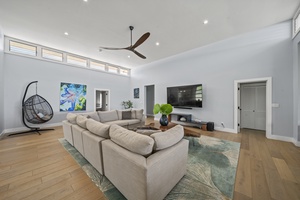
{"points": [[185, 96]]}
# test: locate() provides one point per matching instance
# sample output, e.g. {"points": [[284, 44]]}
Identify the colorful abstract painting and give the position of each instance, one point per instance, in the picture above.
{"points": [[72, 97]]}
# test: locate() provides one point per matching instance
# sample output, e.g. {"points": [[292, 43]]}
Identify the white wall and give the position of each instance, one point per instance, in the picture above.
{"points": [[1, 82], [296, 84], [19, 71], [263, 53]]}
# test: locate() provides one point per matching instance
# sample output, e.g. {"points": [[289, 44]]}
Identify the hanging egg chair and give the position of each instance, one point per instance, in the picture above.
{"points": [[35, 110]]}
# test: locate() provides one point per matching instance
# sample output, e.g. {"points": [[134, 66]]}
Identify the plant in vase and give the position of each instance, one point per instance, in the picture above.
{"points": [[165, 110], [127, 104]]}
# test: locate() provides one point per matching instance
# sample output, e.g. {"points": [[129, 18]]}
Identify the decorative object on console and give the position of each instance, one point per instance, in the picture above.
{"points": [[136, 93], [127, 104], [72, 97], [165, 110], [183, 119], [36, 110]]}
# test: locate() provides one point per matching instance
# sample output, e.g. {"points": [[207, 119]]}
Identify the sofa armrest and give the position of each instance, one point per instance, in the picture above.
{"points": [[68, 134], [125, 169], [165, 168]]}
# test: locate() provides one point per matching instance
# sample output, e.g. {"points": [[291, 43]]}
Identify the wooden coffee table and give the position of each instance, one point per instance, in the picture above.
{"points": [[187, 131]]}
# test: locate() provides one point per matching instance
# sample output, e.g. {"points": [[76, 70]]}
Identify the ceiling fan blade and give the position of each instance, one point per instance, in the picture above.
{"points": [[141, 40], [138, 54], [112, 48]]}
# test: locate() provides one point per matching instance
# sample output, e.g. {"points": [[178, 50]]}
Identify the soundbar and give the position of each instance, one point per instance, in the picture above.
{"points": [[181, 107]]}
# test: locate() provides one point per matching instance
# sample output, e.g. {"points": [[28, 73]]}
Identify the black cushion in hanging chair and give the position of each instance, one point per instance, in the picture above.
{"points": [[37, 110]]}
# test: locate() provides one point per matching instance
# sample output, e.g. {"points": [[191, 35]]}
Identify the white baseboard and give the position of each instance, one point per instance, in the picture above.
{"points": [[6, 132], [228, 130], [285, 139]]}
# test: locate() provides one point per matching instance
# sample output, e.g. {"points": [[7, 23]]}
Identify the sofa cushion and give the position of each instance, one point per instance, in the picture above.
{"points": [[168, 138], [132, 141], [71, 117], [147, 131], [94, 116], [133, 116], [106, 116], [81, 121], [126, 114], [139, 114], [119, 114], [124, 122], [97, 128]]}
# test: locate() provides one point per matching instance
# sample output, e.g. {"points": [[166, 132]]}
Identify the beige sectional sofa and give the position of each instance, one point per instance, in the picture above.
{"points": [[140, 166]]}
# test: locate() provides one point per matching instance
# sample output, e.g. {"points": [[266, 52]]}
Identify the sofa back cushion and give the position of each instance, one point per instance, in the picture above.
{"points": [[132, 141], [138, 113], [98, 128], [94, 116], [106, 116], [168, 138], [71, 117], [81, 121]]}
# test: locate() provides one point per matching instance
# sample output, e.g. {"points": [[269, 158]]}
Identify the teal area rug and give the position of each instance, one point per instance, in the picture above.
{"points": [[210, 173]]}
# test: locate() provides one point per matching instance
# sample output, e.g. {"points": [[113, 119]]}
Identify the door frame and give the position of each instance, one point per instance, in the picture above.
{"points": [[236, 111], [108, 97]]}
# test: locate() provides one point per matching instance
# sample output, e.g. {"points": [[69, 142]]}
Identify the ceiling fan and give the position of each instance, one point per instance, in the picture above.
{"points": [[131, 47]]}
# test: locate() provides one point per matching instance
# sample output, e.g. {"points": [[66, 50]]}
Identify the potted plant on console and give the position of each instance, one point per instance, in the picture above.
{"points": [[165, 110]]}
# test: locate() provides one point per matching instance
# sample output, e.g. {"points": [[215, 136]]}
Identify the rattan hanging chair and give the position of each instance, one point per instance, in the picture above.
{"points": [[35, 110]]}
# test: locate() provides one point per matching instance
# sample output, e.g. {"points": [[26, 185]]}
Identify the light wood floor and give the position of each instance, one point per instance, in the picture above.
{"points": [[38, 167]]}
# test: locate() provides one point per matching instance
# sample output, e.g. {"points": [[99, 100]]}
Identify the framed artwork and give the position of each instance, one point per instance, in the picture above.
{"points": [[72, 97], [136, 93]]}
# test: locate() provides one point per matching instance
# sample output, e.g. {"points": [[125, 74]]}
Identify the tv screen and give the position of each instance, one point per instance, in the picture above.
{"points": [[185, 96]]}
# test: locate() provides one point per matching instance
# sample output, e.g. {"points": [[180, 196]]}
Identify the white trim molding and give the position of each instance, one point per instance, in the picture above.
{"points": [[268, 81], [6, 132]]}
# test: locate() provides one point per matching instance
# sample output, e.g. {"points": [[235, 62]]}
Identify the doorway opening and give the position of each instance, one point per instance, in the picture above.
{"points": [[102, 99], [149, 100], [253, 106], [247, 92]]}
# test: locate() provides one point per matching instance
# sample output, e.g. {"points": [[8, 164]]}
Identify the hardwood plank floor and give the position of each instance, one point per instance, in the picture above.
{"points": [[37, 167]]}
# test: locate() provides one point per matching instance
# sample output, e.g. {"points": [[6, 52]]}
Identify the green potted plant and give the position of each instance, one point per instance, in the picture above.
{"points": [[127, 104], [165, 110]]}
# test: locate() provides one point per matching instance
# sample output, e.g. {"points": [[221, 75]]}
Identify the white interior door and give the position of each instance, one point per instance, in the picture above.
{"points": [[253, 105]]}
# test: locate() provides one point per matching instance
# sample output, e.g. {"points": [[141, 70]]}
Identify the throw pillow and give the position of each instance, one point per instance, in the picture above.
{"points": [[126, 114]]}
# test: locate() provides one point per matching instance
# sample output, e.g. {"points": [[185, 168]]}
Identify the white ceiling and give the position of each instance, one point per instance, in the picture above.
{"points": [[176, 24]]}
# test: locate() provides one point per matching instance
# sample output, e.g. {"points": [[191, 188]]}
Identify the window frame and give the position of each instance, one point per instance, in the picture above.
{"points": [[39, 56]]}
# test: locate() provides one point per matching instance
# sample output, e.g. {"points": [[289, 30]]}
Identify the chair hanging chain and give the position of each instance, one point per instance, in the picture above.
{"points": [[35, 88]]}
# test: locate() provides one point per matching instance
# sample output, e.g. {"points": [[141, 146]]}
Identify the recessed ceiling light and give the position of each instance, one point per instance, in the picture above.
{"points": [[66, 33], [85, 0], [157, 43], [128, 56], [205, 21]]}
